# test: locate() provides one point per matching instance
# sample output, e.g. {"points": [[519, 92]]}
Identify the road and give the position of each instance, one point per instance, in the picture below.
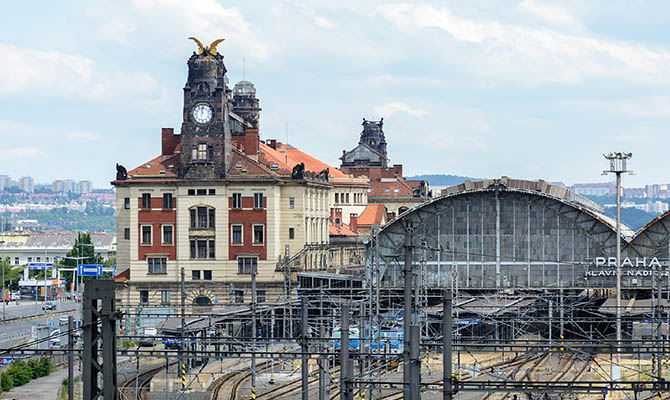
{"points": [[27, 308], [12, 331]]}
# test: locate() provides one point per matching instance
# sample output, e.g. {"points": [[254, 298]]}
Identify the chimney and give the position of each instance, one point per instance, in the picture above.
{"points": [[353, 222], [332, 215], [338, 216], [397, 170], [272, 143], [169, 141], [250, 142]]}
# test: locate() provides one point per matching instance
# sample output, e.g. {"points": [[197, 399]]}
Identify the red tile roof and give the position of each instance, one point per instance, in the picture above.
{"points": [[340, 230], [373, 214], [289, 156], [123, 276], [396, 188], [158, 167]]}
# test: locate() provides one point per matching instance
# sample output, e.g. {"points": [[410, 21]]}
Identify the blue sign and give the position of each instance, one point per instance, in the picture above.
{"points": [[90, 269], [6, 360], [39, 266], [468, 321]]}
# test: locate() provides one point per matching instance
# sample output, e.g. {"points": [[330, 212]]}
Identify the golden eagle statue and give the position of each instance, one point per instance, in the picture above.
{"points": [[211, 49]]}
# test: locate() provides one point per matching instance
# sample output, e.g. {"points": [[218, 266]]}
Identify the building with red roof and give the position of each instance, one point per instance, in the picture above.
{"points": [[218, 203]]}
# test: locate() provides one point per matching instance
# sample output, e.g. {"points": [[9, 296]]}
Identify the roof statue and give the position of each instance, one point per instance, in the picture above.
{"points": [[211, 49]]}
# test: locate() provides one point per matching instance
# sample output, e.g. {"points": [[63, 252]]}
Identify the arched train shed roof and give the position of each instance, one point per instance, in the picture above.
{"points": [[582, 213]]}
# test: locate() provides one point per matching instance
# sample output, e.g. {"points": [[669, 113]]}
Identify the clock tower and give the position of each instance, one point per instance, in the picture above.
{"points": [[205, 142]]}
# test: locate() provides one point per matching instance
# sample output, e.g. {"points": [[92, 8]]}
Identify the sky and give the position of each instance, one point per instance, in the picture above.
{"points": [[527, 89]]}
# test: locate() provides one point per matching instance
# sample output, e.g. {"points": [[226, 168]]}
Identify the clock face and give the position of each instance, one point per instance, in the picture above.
{"points": [[202, 113]]}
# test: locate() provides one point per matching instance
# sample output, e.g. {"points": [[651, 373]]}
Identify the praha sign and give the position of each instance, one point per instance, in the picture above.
{"points": [[638, 266]]}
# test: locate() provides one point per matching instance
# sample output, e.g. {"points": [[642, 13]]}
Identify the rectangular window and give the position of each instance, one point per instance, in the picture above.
{"points": [[192, 217], [193, 249], [202, 192], [16, 261], [237, 200], [347, 197], [211, 192], [211, 217], [146, 234], [30, 259], [191, 192], [126, 203], [258, 200], [144, 296], [167, 200], [236, 234], [260, 296], [202, 248], [165, 297], [258, 234], [291, 233], [126, 233], [146, 200], [207, 274], [239, 296], [167, 234], [195, 274], [211, 249], [46, 259], [202, 217], [157, 265], [245, 264], [38, 259], [291, 202], [337, 197], [202, 151]]}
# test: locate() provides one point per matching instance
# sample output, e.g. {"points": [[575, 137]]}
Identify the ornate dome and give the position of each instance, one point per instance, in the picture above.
{"points": [[244, 88]]}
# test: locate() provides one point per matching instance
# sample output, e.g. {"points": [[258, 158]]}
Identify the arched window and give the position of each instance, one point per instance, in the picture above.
{"points": [[202, 301]]}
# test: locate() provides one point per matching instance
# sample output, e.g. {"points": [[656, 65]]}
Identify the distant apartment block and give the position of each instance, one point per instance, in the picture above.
{"points": [[655, 207], [4, 181], [27, 184], [84, 187], [594, 189]]}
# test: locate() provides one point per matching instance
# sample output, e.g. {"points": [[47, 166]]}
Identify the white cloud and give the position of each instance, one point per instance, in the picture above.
{"points": [[550, 13], [69, 76], [205, 19], [388, 109], [82, 135], [535, 55], [21, 152]]}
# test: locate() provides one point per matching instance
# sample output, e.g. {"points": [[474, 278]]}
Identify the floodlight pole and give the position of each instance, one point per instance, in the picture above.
{"points": [[618, 166]]}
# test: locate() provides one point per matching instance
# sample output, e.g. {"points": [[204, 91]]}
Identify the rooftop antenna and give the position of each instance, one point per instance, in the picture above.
{"points": [[286, 153], [244, 70]]}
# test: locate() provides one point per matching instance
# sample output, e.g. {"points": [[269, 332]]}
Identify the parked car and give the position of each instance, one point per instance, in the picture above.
{"points": [[49, 305], [54, 338], [16, 296], [148, 336]]}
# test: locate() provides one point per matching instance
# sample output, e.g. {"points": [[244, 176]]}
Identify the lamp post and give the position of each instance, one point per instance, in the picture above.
{"points": [[4, 295], [618, 166]]}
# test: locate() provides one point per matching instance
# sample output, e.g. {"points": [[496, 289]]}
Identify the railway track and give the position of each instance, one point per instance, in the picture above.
{"points": [[285, 389], [228, 386], [135, 387]]}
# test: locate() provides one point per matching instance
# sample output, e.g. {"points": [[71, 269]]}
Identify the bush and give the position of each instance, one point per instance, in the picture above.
{"points": [[21, 372], [6, 382], [44, 366], [128, 344]]}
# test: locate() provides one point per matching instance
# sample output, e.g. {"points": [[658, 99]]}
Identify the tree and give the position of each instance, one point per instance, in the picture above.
{"points": [[11, 274], [82, 252]]}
